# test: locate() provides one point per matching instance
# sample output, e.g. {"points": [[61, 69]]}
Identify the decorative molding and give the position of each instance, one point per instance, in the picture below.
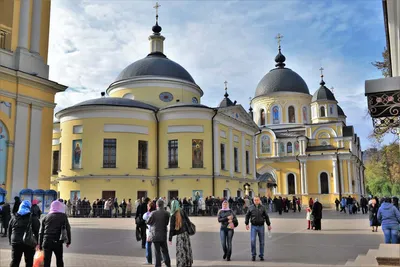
{"points": [[236, 139], [77, 129], [222, 134], [185, 129], [125, 128], [56, 141], [111, 177], [181, 113]]}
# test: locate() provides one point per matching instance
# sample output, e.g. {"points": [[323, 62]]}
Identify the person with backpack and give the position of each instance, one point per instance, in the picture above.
{"points": [[22, 224]]}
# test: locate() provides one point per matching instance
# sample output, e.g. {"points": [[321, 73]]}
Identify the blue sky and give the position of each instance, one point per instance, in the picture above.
{"points": [[92, 41]]}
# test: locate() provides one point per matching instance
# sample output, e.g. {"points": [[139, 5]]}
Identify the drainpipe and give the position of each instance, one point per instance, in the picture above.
{"points": [[212, 149], [338, 175], [158, 155]]}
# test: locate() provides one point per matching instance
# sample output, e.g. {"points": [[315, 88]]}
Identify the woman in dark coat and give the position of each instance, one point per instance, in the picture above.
{"points": [[317, 213], [373, 213]]}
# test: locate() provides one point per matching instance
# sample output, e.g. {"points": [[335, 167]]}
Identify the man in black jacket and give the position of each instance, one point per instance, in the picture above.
{"points": [[5, 217], [159, 221], [257, 215], [16, 230], [140, 223]]}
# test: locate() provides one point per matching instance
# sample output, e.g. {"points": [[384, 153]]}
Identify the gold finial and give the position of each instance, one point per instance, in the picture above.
{"points": [[279, 37], [157, 6], [322, 71]]}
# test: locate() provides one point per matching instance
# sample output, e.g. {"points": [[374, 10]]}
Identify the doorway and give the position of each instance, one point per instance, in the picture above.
{"points": [[173, 194], [141, 194], [108, 194]]}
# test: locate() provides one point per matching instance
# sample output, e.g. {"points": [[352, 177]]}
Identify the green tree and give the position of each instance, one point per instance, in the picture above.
{"points": [[382, 171]]}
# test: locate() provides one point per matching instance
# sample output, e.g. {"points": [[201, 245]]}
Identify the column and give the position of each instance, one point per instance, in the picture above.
{"points": [[34, 147], [335, 178], [355, 189], [217, 160], [231, 153], [23, 24], [305, 179], [341, 176], [276, 148], [36, 23], [302, 177], [349, 177], [20, 148], [244, 156], [254, 157]]}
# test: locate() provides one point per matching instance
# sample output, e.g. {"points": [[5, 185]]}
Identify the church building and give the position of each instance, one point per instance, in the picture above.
{"points": [[149, 135], [305, 148]]}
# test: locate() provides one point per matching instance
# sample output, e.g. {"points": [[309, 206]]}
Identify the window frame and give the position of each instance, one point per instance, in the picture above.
{"points": [[223, 157], [108, 145], [247, 162], [173, 145], [236, 159], [143, 155]]}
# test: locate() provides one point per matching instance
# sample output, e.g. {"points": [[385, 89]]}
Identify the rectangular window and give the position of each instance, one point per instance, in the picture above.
{"points": [[56, 162], [110, 153], [223, 157], [247, 162], [77, 129], [197, 153], [142, 157], [236, 157], [173, 154]]}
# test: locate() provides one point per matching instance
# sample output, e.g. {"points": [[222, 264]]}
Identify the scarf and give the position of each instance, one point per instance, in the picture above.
{"points": [[24, 208], [223, 205], [174, 207], [57, 207]]}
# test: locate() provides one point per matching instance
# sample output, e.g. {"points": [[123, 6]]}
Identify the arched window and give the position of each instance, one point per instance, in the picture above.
{"points": [[289, 148], [291, 184], [324, 183], [275, 115], [262, 117], [281, 148], [322, 111], [305, 115], [292, 114]]}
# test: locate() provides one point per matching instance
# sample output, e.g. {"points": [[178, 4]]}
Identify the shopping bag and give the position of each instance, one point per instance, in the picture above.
{"points": [[38, 259]]}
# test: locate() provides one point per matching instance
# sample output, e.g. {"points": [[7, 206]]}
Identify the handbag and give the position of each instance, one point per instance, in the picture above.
{"points": [[190, 227], [28, 238], [64, 234]]}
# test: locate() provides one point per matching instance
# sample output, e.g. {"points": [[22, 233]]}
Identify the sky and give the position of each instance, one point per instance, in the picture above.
{"points": [[91, 42]]}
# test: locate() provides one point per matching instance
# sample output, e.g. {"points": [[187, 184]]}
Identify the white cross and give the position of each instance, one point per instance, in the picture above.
{"points": [[156, 7], [322, 71], [279, 37], [226, 85]]}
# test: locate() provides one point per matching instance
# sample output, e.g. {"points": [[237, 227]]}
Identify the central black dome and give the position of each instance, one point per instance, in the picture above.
{"points": [[155, 64]]}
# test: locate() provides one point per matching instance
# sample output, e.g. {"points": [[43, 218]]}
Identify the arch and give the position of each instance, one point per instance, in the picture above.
{"points": [[3, 153], [291, 114], [323, 183], [291, 186], [304, 113], [129, 96], [276, 116], [226, 193], [322, 128], [239, 192], [322, 112], [324, 143], [323, 135], [289, 147], [262, 117], [265, 144]]}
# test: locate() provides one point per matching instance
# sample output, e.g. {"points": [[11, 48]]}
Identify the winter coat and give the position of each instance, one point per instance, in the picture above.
{"points": [[257, 215], [388, 215], [159, 221], [223, 218], [317, 211], [373, 215], [51, 228], [18, 226]]}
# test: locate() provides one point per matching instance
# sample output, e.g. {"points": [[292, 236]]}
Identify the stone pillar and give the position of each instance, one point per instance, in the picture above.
{"points": [[34, 147], [36, 23], [335, 177], [217, 157], [341, 175], [305, 179], [23, 24], [254, 157], [302, 177], [349, 177], [244, 173], [231, 153], [276, 149]]}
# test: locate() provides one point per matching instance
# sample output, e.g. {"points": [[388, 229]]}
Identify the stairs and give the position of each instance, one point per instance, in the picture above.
{"points": [[386, 255]]}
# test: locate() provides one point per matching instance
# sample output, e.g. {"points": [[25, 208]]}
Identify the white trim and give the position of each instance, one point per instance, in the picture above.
{"points": [[322, 128], [243, 148], [239, 126], [56, 141], [181, 113], [287, 183], [228, 194], [217, 149], [231, 153], [20, 149], [186, 129], [34, 148], [125, 128], [24, 17], [222, 133], [105, 112], [335, 177], [36, 24], [305, 179], [319, 182]]}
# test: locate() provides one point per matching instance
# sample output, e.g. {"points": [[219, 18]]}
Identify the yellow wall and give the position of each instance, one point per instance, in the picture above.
{"points": [[142, 94], [185, 186], [46, 148]]}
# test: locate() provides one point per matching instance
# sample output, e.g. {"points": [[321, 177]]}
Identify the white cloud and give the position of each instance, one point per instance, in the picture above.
{"points": [[92, 41]]}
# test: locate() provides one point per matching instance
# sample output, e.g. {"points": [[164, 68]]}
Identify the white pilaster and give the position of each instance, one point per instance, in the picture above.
{"points": [[276, 150], [302, 177], [349, 177], [36, 23], [34, 147], [341, 175], [253, 160], [23, 24], [305, 179], [355, 189], [217, 148], [232, 154], [335, 176], [244, 155], [20, 149]]}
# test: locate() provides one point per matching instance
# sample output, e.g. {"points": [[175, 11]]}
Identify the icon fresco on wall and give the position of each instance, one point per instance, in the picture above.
{"points": [[75, 196], [197, 153], [265, 144], [77, 154], [282, 147], [296, 146], [275, 115], [3, 153], [196, 194]]}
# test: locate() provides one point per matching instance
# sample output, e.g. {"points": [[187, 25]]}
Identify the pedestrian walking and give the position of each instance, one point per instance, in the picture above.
{"points": [[229, 222], [373, 215], [317, 214], [337, 202], [389, 217], [158, 221], [5, 212], [140, 223], [16, 229], [149, 257], [257, 215]]}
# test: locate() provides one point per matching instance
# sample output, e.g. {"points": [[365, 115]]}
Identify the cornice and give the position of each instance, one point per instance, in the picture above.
{"points": [[82, 177], [27, 99]]}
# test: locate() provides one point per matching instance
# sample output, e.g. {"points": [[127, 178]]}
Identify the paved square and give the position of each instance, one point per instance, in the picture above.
{"points": [[111, 242]]}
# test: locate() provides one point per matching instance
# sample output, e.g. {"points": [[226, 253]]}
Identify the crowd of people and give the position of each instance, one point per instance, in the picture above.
{"points": [[27, 232]]}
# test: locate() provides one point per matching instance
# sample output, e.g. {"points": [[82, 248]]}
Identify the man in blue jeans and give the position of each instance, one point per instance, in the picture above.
{"points": [[257, 215], [389, 216]]}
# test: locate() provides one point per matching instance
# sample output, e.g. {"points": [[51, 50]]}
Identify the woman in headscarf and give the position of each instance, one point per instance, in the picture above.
{"points": [[35, 210], [184, 257], [150, 208], [228, 222], [50, 233], [16, 230]]}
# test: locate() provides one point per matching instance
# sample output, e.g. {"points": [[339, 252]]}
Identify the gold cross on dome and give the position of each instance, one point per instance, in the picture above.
{"points": [[279, 37], [226, 85], [157, 6], [322, 71]]}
